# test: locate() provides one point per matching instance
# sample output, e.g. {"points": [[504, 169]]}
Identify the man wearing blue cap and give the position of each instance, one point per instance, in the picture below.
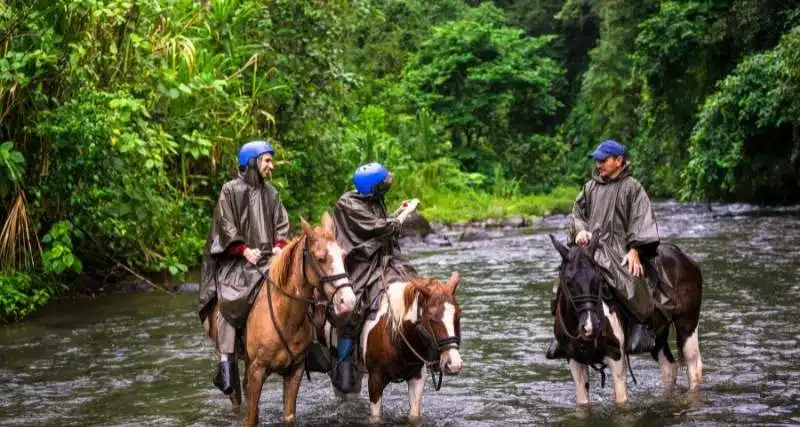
{"points": [[614, 208], [369, 237], [250, 225]]}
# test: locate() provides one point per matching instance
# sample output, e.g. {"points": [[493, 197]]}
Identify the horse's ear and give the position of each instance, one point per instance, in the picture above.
{"points": [[562, 250], [307, 229], [423, 289], [452, 283], [327, 224]]}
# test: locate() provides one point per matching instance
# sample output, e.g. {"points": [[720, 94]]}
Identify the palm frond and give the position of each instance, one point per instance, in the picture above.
{"points": [[18, 246]]}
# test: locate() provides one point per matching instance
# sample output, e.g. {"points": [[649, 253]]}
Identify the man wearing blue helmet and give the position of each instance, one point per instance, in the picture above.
{"points": [[614, 208], [369, 237], [250, 225]]}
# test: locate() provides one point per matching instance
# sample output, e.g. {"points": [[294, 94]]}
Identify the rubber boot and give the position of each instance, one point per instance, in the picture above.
{"points": [[224, 378], [640, 339], [343, 370]]}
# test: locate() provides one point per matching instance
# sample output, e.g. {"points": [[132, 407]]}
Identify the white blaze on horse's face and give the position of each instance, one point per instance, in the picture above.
{"points": [[450, 359], [345, 300], [588, 327]]}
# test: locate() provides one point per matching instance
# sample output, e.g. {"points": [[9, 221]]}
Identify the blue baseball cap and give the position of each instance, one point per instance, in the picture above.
{"points": [[607, 149]]}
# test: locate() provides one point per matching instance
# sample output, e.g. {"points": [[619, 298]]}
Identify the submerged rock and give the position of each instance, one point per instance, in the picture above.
{"points": [[474, 235]]}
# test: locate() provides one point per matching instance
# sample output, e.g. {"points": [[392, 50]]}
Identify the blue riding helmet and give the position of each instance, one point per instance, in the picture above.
{"points": [[253, 149], [368, 176]]}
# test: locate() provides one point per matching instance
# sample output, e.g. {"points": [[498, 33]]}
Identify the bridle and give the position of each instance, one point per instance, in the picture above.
{"points": [[592, 303], [451, 342], [426, 330], [310, 303], [587, 303]]}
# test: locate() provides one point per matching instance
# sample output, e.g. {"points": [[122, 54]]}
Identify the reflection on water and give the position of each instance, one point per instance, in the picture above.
{"points": [[141, 359]]}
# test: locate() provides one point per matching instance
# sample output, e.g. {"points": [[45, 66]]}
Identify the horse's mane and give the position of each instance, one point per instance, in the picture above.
{"points": [[281, 268], [401, 304]]}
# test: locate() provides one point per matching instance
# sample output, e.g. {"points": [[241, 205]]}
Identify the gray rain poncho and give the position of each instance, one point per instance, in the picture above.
{"points": [[618, 211], [249, 211]]}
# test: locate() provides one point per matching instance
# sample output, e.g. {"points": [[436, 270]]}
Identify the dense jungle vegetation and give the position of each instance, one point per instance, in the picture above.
{"points": [[120, 119]]}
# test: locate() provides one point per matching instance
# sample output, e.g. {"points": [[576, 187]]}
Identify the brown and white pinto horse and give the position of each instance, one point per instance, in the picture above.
{"points": [[418, 323], [590, 323], [278, 329]]}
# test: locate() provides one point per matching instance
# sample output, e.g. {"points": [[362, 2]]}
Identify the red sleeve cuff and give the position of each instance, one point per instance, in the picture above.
{"points": [[279, 243], [237, 249]]}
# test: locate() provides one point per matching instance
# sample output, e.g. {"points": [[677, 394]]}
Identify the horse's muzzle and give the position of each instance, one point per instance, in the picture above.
{"points": [[344, 301], [589, 326], [450, 362]]}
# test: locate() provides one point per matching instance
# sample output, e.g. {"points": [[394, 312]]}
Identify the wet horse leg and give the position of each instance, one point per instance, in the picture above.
{"points": [[246, 376], [291, 386], [619, 367], [236, 395], [415, 388], [257, 374], [376, 386], [690, 348], [666, 362], [580, 374]]}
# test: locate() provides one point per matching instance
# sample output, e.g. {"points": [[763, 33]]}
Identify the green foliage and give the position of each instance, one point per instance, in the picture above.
{"points": [[476, 205], [491, 87], [19, 296], [13, 165], [746, 144], [58, 257]]}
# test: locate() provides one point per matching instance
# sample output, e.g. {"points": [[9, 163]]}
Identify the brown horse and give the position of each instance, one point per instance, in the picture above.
{"points": [[418, 325], [278, 327], [584, 298]]}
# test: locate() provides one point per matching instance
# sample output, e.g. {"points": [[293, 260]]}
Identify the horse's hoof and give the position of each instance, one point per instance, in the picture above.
{"points": [[291, 419], [374, 420], [415, 420]]}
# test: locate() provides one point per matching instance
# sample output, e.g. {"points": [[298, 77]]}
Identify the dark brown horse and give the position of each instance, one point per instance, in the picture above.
{"points": [[278, 328], [584, 298]]}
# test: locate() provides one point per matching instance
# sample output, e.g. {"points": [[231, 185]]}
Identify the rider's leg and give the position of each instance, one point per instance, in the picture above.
{"points": [[343, 375], [226, 340], [641, 305]]}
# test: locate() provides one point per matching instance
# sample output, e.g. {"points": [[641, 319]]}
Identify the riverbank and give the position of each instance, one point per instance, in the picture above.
{"points": [[475, 207]]}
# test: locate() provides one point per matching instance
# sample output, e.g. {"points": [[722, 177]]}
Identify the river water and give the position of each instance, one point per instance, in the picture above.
{"points": [[141, 359]]}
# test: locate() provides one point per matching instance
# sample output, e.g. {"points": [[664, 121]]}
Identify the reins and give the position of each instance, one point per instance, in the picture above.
{"points": [[309, 303], [432, 365], [598, 301]]}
